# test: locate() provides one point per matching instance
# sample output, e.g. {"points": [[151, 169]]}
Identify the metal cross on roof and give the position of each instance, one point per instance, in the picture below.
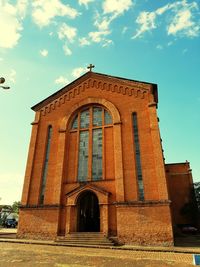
{"points": [[90, 67]]}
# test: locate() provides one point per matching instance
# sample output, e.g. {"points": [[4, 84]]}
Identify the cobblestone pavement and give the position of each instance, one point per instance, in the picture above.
{"points": [[14, 255]]}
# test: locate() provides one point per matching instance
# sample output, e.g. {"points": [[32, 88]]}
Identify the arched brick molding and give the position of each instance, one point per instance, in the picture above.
{"points": [[89, 101]]}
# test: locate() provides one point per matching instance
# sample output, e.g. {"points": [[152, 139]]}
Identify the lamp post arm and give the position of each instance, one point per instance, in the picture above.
{"points": [[5, 87]]}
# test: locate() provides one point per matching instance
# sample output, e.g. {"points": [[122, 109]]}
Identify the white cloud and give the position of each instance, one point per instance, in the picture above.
{"points": [[21, 6], [103, 23], [67, 50], [85, 2], [61, 80], [124, 30], [11, 19], [160, 47], [181, 16], [147, 22], [12, 76], [163, 9], [98, 36], [111, 10], [77, 72], [107, 42], [68, 32], [83, 41], [44, 11], [116, 6], [170, 43], [44, 52], [183, 24]]}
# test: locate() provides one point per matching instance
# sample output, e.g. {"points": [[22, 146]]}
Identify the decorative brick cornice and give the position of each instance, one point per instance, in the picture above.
{"points": [[145, 203], [137, 90]]}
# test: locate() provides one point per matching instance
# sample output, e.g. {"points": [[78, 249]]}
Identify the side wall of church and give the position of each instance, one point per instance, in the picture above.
{"points": [[180, 184]]}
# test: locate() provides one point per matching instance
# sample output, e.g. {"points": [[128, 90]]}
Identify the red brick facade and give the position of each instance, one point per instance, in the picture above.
{"points": [[122, 213]]}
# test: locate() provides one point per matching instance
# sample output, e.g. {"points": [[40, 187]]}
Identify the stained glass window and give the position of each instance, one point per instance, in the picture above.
{"points": [[89, 125], [138, 159], [85, 118], [83, 156], [97, 154], [44, 175], [108, 118], [97, 116]]}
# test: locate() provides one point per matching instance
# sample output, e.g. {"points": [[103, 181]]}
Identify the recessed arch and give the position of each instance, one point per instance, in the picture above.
{"points": [[76, 200]]}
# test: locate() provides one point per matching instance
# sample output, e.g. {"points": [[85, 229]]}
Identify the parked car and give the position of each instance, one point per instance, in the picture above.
{"points": [[11, 223]]}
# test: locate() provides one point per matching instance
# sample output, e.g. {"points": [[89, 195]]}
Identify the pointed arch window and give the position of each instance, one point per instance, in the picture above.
{"points": [[90, 124]]}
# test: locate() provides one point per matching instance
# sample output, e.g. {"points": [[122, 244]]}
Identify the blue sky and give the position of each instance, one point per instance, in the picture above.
{"points": [[45, 44]]}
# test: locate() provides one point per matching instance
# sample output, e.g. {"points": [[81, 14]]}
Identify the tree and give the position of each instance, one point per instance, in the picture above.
{"points": [[8, 210], [197, 193], [15, 207]]}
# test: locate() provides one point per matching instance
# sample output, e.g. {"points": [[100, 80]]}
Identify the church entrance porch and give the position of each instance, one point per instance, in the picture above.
{"points": [[88, 219], [87, 210]]}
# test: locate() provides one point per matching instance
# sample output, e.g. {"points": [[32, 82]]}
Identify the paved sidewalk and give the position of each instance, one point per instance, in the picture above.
{"points": [[9, 236], [29, 255]]}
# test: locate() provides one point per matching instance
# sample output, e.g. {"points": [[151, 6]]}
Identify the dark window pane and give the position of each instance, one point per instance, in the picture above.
{"points": [[85, 118], [108, 118], [97, 154], [137, 157], [46, 160], [83, 156], [97, 116]]}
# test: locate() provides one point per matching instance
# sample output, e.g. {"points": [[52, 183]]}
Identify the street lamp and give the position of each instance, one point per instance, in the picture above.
{"points": [[2, 80]]}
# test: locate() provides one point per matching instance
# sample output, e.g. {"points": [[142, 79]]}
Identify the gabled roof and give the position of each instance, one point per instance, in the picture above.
{"points": [[85, 76], [87, 186]]}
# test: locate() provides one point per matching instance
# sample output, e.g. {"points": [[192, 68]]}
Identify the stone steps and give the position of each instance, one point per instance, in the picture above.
{"points": [[85, 239]]}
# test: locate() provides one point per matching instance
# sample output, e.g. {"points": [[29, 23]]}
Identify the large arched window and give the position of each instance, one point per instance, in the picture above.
{"points": [[91, 131]]}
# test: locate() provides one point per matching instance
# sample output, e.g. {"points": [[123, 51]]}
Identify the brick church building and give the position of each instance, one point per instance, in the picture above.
{"points": [[96, 164]]}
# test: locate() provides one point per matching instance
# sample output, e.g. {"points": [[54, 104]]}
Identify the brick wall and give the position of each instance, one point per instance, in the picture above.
{"points": [[150, 225], [38, 223]]}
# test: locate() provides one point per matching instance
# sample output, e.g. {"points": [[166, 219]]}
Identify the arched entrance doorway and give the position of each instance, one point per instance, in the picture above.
{"points": [[88, 213]]}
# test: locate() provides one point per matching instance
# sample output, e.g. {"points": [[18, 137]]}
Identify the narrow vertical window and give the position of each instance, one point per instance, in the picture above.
{"points": [[137, 156], [97, 154], [44, 175], [83, 156]]}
